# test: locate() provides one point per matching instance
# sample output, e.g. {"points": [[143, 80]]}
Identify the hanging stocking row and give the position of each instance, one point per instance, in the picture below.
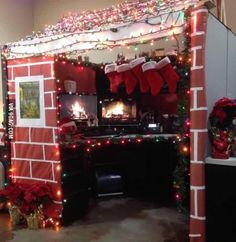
{"points": [[150, 75]]}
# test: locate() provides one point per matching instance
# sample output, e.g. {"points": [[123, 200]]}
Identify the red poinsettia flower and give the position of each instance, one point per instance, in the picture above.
{"points": [[218, 113], [27, 196]]}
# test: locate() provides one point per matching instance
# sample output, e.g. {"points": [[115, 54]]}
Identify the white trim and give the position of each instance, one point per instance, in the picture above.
{"points": [[198, 130], [50, 108], [195, 203], [53, 174], [194, 57], [110, 68], [198, 109], [28, 69], [14, 149], [52, 103], [150, 65], [195, 90], [30, 122], [197, 187], [163, 63], [36, 160], [11, 93], [194, 235], [44, 156], [33, 143], [195, 145], [194, 18], [197, 33], [197, 162], [197, 217], [45, 78], [123, 67], [196, 68], [137, 62], [49, 91], [29, 135], [36, 179], [57, 202], [32, 64], [12, 72], [30, 168], [53, 135], [49, 78], [52, 70]]}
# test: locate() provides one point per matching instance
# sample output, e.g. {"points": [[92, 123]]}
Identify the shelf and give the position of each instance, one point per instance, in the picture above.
{"points": [[222, 162]]}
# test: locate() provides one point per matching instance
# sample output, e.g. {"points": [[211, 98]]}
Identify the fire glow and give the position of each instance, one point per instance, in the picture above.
{"points": [[78, 111], [117, 110]]}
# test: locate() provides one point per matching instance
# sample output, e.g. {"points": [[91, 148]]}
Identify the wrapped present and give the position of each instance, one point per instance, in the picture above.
{"points": [[14, 215], [32, 221]]}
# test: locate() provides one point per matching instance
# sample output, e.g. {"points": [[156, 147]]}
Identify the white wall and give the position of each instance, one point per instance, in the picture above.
{"points": [[16, 21], [50, 11], [220, 63]]}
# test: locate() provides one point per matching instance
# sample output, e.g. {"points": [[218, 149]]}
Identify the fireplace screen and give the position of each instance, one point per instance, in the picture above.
{"points": [[77, 107], [119, 110]]}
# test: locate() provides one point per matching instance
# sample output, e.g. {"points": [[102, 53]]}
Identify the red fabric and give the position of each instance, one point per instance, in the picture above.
{"points": [[170, 76], [143, 83], [85, 77], [130, 81], [115, 81], [154, 81]]}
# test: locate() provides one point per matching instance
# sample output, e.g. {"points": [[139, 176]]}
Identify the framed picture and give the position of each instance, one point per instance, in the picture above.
{"points": [[30, 101]]}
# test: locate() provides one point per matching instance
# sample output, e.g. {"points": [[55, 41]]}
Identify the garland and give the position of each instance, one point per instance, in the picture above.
{"points": [[181, 174]]}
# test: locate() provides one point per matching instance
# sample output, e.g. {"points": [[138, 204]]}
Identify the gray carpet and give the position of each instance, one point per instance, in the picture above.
{"points": [[111, 220]]}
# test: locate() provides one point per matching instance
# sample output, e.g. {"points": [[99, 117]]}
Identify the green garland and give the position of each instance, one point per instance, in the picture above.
{"points": [[181, 174]]}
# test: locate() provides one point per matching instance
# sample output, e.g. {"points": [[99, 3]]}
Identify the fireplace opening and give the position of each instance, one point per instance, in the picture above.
{"points": [[118, 110], [78, 108]]}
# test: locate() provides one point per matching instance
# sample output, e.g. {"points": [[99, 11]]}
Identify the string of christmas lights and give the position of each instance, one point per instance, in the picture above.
{"points": [[124, 24], [126, 12]]}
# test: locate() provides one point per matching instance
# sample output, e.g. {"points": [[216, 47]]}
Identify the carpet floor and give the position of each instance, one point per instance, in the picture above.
{"points": [[110, 220]]}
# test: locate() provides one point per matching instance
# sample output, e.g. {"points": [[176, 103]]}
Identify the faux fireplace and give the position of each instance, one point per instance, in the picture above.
{"points": [[118, 111], [78, 108]]}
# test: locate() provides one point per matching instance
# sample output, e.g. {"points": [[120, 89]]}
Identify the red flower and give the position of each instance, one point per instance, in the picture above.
{"points": [[219, 114], [27, 196]]}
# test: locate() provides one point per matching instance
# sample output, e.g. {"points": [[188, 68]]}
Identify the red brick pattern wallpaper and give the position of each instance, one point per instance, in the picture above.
{"points": [[198, 115], [34, 150]]}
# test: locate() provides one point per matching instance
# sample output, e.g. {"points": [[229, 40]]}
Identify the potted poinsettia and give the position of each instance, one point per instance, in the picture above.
{"points": [[221, 130], [27, 200]]}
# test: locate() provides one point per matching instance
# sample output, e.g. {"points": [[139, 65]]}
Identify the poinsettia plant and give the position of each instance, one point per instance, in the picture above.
{"points": [[223, 113], [221, 130], [27, 197]]}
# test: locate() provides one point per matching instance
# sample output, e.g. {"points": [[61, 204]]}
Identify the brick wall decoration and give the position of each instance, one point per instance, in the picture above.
{"points": [[35, 155], [198, 115]]}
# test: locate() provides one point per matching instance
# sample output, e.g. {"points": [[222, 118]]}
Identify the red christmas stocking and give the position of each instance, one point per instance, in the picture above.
{"points": [[152, 76], [168, 73], [136, 67], [114, 77], [129, 78]]}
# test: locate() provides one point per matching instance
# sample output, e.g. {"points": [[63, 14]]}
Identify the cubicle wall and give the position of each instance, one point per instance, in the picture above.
{"points": [[220, 63]]}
